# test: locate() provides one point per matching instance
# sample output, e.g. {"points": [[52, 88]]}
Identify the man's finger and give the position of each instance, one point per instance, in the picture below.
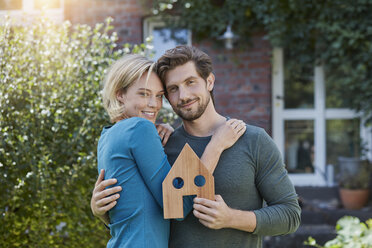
{"points": [[107, 200], [218, 198], [101, 176], [108, 192], [202, 209], [205, 202], [104, 184], [205, 223], [202, 216], [108, 207]]}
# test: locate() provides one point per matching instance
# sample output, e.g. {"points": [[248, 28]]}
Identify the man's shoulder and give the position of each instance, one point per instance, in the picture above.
{"points": [[253, 132], [254, 129]]}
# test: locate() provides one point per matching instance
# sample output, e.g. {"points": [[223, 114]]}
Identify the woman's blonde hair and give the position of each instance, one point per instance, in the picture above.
{"points": [[123, 74]]}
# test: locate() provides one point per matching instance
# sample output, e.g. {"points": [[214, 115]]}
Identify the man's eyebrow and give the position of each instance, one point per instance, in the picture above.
{"points": [[186, 79]]}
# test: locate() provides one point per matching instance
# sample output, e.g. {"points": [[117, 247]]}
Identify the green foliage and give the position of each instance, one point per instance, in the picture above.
{"points": [[50, 122], [335, 33], [351, 233], [354, 173]]}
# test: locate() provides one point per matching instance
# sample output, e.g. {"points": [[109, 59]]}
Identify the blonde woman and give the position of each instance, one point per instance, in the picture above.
{"points": [[131, 151]]}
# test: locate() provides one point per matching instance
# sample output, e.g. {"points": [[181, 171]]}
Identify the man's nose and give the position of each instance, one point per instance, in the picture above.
{"points": [[184, 93]]}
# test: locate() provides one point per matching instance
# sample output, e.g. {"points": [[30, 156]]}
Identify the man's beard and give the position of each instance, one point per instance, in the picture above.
{"points": [[189, 115]]}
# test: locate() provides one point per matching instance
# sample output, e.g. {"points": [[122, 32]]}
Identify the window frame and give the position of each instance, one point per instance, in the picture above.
{"points": [[319, 114], [152, 22]]}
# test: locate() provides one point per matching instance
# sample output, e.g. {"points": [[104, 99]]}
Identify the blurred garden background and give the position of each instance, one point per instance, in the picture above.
{"points": [[301, 69]]}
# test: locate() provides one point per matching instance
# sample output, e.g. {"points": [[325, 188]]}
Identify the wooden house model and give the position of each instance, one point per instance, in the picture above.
{"points": [[188, 176]]}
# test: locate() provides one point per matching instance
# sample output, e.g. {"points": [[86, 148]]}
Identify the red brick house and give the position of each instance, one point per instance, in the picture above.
{"points": [[252, 84]]}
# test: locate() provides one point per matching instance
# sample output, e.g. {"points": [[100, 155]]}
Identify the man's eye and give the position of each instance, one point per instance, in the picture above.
{"points": [[173, 89], [160, 96], [190, 82]]}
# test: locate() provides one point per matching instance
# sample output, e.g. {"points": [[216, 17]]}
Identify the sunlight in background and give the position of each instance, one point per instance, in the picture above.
{"points": [[10, 4], [28, 5], [47, 4]]}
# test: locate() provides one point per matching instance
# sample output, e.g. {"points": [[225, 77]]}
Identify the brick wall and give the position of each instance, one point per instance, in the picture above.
{"points": [[127, 14], [243, 81], [243, 76]]}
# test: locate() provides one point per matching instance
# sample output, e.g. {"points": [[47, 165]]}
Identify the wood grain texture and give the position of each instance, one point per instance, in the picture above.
{"points": [[187, 166]]}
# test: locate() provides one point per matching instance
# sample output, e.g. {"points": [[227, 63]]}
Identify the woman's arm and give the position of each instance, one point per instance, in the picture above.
{"points": [[164, 130], [223, 138]]}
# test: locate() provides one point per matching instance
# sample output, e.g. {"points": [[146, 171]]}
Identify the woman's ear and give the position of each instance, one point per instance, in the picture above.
{"points": [[120, 96], [210, 82]]}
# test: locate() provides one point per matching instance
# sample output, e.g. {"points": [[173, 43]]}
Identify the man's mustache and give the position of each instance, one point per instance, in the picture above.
{"points": [[185, 102]]}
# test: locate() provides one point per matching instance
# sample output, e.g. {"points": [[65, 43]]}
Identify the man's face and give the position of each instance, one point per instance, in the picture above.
{"points": [[187, 92]]}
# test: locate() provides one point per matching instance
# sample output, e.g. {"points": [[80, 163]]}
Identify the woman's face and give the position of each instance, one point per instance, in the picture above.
{"points": [[143, 100]]}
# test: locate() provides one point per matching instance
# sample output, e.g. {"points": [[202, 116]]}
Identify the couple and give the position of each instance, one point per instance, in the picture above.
{"points": [[249, 166]]}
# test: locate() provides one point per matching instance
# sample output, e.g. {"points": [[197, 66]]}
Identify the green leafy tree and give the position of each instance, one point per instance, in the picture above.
{"points": [[337, 34], [50, 122]]}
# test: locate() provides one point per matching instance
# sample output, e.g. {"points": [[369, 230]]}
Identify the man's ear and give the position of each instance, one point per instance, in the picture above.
{"points": [[210, 82], [120, 96]]}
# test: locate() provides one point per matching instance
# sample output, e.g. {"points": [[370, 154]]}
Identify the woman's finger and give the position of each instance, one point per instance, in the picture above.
{"points": [[165, 138]]}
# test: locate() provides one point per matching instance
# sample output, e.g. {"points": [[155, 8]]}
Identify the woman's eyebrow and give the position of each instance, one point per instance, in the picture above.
{"points": [[146, 89]]}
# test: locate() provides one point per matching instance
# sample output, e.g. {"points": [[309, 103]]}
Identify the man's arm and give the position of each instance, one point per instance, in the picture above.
{"points": [[104, 199], [216, 215], [283, 213], [281, 216]]}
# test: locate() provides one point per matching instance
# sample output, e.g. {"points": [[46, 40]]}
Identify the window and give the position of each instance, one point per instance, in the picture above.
{"points": [[311, 126], [163, 37], [32, 8]]}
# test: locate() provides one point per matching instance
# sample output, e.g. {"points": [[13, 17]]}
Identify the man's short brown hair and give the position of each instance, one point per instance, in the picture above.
{"points": [[180, 55]]}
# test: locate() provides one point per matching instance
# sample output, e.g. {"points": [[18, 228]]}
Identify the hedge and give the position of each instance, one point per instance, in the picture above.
{"points": [[51, 119]]}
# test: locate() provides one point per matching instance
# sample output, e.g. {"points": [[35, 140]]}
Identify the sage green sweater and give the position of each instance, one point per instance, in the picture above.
{"points": [[248, 173]]}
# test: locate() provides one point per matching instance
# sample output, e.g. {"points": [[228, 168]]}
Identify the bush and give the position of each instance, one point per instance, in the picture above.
{"points": [[350, 233], [51, 118]]}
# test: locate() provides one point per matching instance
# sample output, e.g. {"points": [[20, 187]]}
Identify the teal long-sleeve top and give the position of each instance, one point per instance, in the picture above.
{"points": [[131, 151]]}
